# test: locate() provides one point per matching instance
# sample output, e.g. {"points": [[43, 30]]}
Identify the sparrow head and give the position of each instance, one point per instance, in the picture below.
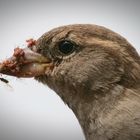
{"points": [[87, 57]]}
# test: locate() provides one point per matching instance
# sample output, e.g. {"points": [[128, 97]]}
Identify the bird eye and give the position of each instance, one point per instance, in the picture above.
{"points": [[66, 47]]}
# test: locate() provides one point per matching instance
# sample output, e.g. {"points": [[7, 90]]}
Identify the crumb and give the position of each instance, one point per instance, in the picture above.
{"points": [[9, 64], [18, 52], [31, 42]]}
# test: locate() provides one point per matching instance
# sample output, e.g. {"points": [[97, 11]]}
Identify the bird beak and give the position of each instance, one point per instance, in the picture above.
{"points": [[26, 63]]}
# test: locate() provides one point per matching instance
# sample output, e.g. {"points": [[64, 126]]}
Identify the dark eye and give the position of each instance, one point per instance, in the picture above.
{"points": [[66, 47]]}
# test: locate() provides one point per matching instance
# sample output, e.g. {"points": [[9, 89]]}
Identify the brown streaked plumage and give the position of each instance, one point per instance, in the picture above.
{"points": [[96, 72]]}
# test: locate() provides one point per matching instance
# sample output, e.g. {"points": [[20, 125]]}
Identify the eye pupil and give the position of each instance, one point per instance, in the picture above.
{"points": [[66, 47]]}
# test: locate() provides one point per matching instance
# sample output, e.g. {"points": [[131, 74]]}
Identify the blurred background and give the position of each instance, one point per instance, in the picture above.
{"points": [[28, 109]]}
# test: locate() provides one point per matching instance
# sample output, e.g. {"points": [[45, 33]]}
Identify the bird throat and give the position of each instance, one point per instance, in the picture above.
{"points": [[89, 106]]}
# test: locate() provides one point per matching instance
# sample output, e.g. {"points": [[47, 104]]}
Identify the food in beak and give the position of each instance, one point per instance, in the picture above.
{"points": [[26, 63]]}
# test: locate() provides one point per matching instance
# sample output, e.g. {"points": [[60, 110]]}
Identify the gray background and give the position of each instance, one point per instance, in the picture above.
{"points": [[29, 110]]}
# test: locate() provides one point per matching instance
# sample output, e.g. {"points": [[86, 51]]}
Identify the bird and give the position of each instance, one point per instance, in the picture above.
{"points": [[95, 71]]}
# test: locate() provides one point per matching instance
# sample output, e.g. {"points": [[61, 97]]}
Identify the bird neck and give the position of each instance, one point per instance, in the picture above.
{"points": [[93, 109], [90, 106]]}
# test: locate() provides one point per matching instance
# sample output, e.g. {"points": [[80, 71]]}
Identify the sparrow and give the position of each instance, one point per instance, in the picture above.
{"points": [[94, 70]]}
